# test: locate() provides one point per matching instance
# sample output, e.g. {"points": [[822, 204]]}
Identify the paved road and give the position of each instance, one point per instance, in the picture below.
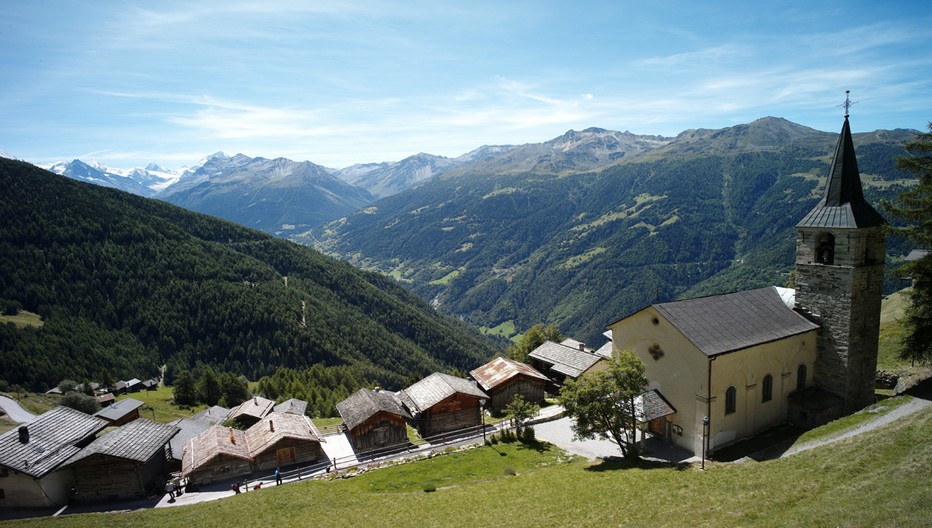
{"points": [[15, 412], [559, 433]]}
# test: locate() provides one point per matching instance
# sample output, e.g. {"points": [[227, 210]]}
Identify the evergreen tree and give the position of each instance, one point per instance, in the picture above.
{"points": [[209, 389], [520, 411], [185, 392], [602, 403], [915, 207], [534, 337], [235, 389], [106, 379]]}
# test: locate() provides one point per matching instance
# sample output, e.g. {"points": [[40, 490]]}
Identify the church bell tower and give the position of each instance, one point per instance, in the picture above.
{"points": [[840, 249]]}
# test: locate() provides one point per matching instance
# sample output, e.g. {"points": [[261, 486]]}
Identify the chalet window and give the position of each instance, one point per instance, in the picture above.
{"points": [[731, 397], [801, 377], [767, 392]]}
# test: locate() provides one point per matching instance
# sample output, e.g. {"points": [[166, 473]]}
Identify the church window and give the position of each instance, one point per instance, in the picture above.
{"points": [[655, 351], [767, 392], [731, 397], [801, 377], [825, 248]]}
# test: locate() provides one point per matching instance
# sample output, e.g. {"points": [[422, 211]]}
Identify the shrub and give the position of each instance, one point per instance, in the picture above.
{"points": [[429, 487], [528, 436], [81, 402], [510, 471]]}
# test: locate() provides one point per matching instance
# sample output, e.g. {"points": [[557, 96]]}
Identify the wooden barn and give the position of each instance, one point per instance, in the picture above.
{"points": [[129, 462], [440, 403], [503, 378], [282, 439], [32, 457], [219, 453], [121, 412], [251, 410], [562, 361], [374, 419]]}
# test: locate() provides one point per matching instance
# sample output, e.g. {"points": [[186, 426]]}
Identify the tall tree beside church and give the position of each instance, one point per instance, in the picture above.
{"points": [[602, 403], [915, 207]]}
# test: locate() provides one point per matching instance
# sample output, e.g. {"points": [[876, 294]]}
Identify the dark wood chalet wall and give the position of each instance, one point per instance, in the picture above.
{"points": [[451, 414], [380, 430], [529, 389], [99, 478], [222, 468], [286, 452]]}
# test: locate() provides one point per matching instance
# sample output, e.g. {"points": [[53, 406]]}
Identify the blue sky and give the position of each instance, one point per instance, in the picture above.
{"points": [[337, 83]]}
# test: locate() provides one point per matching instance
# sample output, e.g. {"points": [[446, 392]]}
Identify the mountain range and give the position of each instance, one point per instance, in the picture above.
{"points": [[573, 231]]}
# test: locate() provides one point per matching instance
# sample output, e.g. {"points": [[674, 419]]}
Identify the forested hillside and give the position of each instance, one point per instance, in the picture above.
{"points": [[128, 284], [711, 211]]}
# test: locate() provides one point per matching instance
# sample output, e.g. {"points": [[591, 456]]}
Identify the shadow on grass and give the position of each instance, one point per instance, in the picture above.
{"points": [[620, 463], [768, 445]]}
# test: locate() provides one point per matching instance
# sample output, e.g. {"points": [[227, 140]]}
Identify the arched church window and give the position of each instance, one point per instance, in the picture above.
{"points": [[731, 400], [801, 377], [767, 392], [825, 248]]}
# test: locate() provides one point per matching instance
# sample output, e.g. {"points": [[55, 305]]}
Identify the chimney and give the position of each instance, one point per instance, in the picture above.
{"points": [[255, 400], [582, 347], [23, 434], [232, 438], [271, 426]]}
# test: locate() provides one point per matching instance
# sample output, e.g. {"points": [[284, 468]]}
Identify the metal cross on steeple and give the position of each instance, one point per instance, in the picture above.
{"points": [[848, 103]]}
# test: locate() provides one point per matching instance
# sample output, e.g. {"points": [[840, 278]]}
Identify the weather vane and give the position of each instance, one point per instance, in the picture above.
{"points": [[848, 103]]}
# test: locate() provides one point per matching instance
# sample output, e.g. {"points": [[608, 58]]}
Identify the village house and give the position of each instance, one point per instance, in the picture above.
{"points": [[293, 406], [731, 366], [121, 412], [374, 419], [441, 403], [251, 410], [222, 453], [106, 399], [282, 439], [562, 361], [32, 456], [129, 462], [504, 378]]}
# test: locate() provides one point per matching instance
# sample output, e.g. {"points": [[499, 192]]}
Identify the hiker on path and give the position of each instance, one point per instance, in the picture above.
{"points": [[278, 476]]}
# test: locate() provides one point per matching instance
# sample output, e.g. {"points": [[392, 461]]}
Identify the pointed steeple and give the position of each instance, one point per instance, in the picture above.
{"points": [[843, 204]]}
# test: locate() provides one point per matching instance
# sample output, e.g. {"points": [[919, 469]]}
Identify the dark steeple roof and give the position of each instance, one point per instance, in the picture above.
{"points": [[843, 205]]}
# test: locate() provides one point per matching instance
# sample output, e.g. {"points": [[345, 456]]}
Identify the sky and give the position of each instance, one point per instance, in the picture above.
{"points": [[342, 82]]}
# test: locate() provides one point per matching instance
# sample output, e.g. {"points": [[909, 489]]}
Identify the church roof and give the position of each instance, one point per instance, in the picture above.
{"points": [[724, 323], [843, 205]]}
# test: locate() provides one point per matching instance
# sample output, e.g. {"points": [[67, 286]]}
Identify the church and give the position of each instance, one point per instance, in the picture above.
{"points": [[734, 365]]}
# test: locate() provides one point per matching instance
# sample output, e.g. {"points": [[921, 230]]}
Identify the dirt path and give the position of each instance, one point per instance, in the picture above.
{"points": [[916, 405]]}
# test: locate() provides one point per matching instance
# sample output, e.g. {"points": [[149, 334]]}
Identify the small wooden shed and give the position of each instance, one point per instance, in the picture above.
{"points": [[374, 419], [282, 439], [441, 403], [504, 378], [129, 462], [121, 412]]}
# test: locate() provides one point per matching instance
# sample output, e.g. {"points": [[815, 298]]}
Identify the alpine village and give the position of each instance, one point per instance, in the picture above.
{"points": [[177, 365]]}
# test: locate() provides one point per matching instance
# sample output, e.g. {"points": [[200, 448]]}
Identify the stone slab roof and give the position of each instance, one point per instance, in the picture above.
{"points": [[119, 409], [501, 370], [724, 323], [138, 440], [52, 440], [256, 407], [188, 428], [212, 415], [211, 443], [293, 406], [364, 403], [566, 360], [434, 389], [652, 405], [277, 426]]}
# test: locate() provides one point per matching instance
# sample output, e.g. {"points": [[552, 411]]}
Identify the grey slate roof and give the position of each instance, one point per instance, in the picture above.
{"points": [[212, 415], [119, 409], [435, 388], [566, 360], [364, 403], [843, 205], [138, 440], [293, 406], [188, 428], [256, 407], [500, 370], [729, 322], [52, 440], [652, 405]]}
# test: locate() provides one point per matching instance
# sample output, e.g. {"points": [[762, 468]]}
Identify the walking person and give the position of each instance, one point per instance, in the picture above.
{"points": [[170, 488], [278, 476]]}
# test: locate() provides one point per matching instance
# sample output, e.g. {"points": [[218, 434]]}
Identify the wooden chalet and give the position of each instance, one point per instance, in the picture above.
{"points": [[121, 412], [282, 439], [218, 453], [559, 362], [32, 457], [503, 378], [440, 403], [129, 462], [251, 410], [106, 399], [150, 384], [374, 419]]}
